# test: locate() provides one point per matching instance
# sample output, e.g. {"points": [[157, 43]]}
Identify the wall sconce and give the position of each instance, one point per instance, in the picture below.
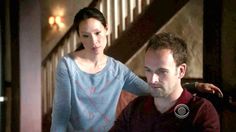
{"points": [[56, 21]]}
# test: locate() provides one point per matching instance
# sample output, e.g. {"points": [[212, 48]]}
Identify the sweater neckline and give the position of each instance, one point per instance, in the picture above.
{"points": [[92, 74]]}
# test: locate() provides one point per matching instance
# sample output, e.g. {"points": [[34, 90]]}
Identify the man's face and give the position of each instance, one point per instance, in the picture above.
{"points": [[163, 76]]}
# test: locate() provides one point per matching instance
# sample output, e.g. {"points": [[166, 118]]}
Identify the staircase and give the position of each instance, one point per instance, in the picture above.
{"points": [[131, 23]]}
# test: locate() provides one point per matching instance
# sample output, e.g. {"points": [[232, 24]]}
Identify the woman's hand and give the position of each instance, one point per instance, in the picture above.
{"points": [[208, 88]]}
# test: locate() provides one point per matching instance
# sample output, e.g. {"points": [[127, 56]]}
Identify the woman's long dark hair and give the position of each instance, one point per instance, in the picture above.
{"points": [[80, 47]]}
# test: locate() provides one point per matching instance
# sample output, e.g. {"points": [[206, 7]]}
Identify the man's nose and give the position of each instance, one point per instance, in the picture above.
{"points": [[154, 78]]}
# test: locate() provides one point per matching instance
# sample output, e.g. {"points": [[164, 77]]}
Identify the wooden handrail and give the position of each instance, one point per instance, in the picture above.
{"points": [[60, 43], [94, 3]]}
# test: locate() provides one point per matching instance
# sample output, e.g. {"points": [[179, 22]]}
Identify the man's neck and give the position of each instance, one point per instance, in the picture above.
{"points": [[163, 104]]}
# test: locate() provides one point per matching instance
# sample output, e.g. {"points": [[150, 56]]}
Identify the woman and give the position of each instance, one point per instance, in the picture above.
{"points": [[88, 82]]}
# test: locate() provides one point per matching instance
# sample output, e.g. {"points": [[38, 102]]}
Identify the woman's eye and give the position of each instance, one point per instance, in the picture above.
{"points": [[97, 33]]}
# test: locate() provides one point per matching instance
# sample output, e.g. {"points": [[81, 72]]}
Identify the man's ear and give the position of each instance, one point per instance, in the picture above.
{"points": [[182, 70]]}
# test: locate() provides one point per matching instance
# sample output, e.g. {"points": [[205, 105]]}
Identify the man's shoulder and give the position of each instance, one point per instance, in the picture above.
{"points": [[200, 100], [203, 114], [201, 103]]}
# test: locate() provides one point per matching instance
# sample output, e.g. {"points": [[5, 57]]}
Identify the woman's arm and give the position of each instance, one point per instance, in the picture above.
{"points": [[204, 88], [62, 98]]}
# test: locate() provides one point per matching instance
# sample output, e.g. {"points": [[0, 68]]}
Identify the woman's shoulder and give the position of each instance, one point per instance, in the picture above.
{"points": [[116, 64], [115, 61], [66, 59]]}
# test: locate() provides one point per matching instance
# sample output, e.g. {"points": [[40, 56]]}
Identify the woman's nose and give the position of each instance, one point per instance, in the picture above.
{"points": [[94, 39]]}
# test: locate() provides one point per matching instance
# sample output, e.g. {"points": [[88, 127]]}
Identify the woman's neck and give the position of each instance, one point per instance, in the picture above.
{"points": [[90, 63], [92, 58]]}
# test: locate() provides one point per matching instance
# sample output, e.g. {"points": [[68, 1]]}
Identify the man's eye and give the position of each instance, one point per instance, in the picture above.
{"points": [[162, 72], [147, 70], [85, 36]]}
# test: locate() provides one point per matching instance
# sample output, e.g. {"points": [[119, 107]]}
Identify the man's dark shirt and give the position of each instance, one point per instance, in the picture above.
{"points": [[142, 116]]}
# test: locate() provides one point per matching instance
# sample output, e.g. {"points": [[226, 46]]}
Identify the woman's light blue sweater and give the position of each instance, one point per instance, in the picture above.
{"points": [[87, 102]]}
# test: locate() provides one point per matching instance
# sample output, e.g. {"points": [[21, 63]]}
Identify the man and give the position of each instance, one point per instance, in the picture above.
{"points": [[170, 107]]}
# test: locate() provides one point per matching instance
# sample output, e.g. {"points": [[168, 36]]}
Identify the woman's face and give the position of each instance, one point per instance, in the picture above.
{"points": [[93, 34]]}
